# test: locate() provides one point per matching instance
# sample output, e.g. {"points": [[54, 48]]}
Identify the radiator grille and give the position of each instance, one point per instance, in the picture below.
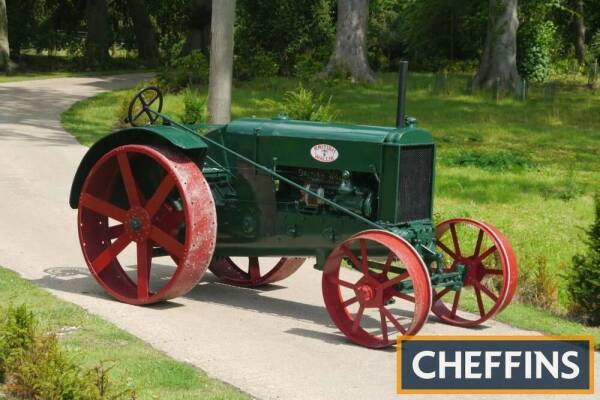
{"points": [[416, 177]]}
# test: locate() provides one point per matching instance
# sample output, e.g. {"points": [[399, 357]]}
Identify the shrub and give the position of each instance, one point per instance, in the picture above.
{"points": [[33, 366], [303, 104], [583, 281], [497, 161], [252, 63], [184, 71], [536, 42], [538, 285], [307, 67], [194, 107]]}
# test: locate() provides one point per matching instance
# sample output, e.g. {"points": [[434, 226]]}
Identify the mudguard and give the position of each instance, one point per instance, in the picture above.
{"points": [[192, 145]]}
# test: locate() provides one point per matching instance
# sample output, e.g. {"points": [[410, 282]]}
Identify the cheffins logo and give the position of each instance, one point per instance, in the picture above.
{"points": [[521, 364]]}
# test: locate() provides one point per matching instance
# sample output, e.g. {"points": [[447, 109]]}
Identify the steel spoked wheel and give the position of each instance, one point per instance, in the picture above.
{"points": [[139, 204], [376, 287], [256, 271], [490, 272]]}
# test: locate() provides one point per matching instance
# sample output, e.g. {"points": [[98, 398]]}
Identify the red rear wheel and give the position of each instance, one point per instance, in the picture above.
{"points": [[491, 272], [139, 203], [375, 287], [256, 272]]}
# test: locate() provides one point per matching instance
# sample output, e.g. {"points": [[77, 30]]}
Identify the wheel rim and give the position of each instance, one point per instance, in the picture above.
{"points": [[156, 200], [490, 276], [254, 273], [358, 298]]}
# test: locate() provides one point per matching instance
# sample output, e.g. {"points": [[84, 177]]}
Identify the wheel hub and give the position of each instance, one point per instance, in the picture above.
{"points": [[138, 224], [365, 293]]}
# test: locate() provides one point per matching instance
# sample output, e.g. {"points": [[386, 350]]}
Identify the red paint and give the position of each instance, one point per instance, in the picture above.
{"points": [[229, 272], [479, 271], [152, 224], [375, 289]]}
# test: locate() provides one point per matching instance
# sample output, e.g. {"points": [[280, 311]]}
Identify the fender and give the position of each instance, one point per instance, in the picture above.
{"points": [[191, 145]]}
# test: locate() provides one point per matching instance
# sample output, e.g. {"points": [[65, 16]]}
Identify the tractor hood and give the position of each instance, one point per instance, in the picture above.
{"points": [[307, 130], [285, 142]]}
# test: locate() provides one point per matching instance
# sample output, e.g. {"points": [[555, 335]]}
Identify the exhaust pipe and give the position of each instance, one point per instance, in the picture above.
{"points": [[401, 108]]}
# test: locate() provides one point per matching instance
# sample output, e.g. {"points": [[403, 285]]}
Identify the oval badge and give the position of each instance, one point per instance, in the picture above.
{"points": [[324, 153]]}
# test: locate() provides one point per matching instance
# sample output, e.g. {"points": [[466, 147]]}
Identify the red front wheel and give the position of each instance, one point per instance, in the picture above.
{"points": [[376, 287], [139, 203], [490, 272]]}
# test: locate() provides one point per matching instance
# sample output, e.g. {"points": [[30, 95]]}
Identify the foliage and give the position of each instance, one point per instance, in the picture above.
{"points": [[494, 161], [307, 67], [33, 366], [537, 284], [438, 32], [190, 70], [536, 42], [194, 107], [254, 63], [303, 104], [274, 35], [594, 48], [583, 280]]}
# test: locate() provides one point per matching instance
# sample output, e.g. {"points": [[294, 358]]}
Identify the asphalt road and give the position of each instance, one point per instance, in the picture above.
{"points": [[276, 343]]}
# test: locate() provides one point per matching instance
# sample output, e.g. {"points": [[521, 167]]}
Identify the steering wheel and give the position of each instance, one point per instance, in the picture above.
{"points": [[141, 111]]}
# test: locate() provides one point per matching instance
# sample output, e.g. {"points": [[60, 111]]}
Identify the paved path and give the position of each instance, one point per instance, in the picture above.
{"points": [[274, 344]]}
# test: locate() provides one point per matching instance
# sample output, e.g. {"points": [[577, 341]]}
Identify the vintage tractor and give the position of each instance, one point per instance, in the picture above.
{"points": [[160, 203]]}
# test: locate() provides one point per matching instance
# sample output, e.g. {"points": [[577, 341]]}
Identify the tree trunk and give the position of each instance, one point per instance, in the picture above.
{"points": [[97, 42], [221, 61], [580, 48], [145, 38], [4, 49], [198, 37], [499, 61], [350, 52]]}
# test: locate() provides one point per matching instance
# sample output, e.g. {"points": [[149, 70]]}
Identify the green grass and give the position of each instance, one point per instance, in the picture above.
{"points": [[542, 204], [527, 317], [134, 363]]}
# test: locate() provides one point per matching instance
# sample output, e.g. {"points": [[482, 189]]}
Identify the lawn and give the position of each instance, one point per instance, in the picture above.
{"points": [[90, 341], [530, 168]]}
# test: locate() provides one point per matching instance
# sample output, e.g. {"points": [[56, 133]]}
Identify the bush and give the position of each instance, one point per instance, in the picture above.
{"points": [[184, 71], [307, 67], [303, 104], [536, 42], [251, 63], [33, 366], [293, 29], [194, 107], [538, 285], [583, 281]]}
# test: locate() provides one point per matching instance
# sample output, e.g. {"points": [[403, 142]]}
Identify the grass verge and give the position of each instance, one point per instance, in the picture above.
{"points": [[89, 341]]}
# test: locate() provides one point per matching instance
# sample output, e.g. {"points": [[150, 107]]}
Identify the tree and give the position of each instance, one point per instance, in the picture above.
{"points": [[350, 52], [4, 49], [145, 38], [499, 60], [97, 42], [221, 61], [580, 47]]}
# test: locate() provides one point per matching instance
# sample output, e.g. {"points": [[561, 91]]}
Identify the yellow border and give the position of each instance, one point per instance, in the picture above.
{"points": [[400, 339]]}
